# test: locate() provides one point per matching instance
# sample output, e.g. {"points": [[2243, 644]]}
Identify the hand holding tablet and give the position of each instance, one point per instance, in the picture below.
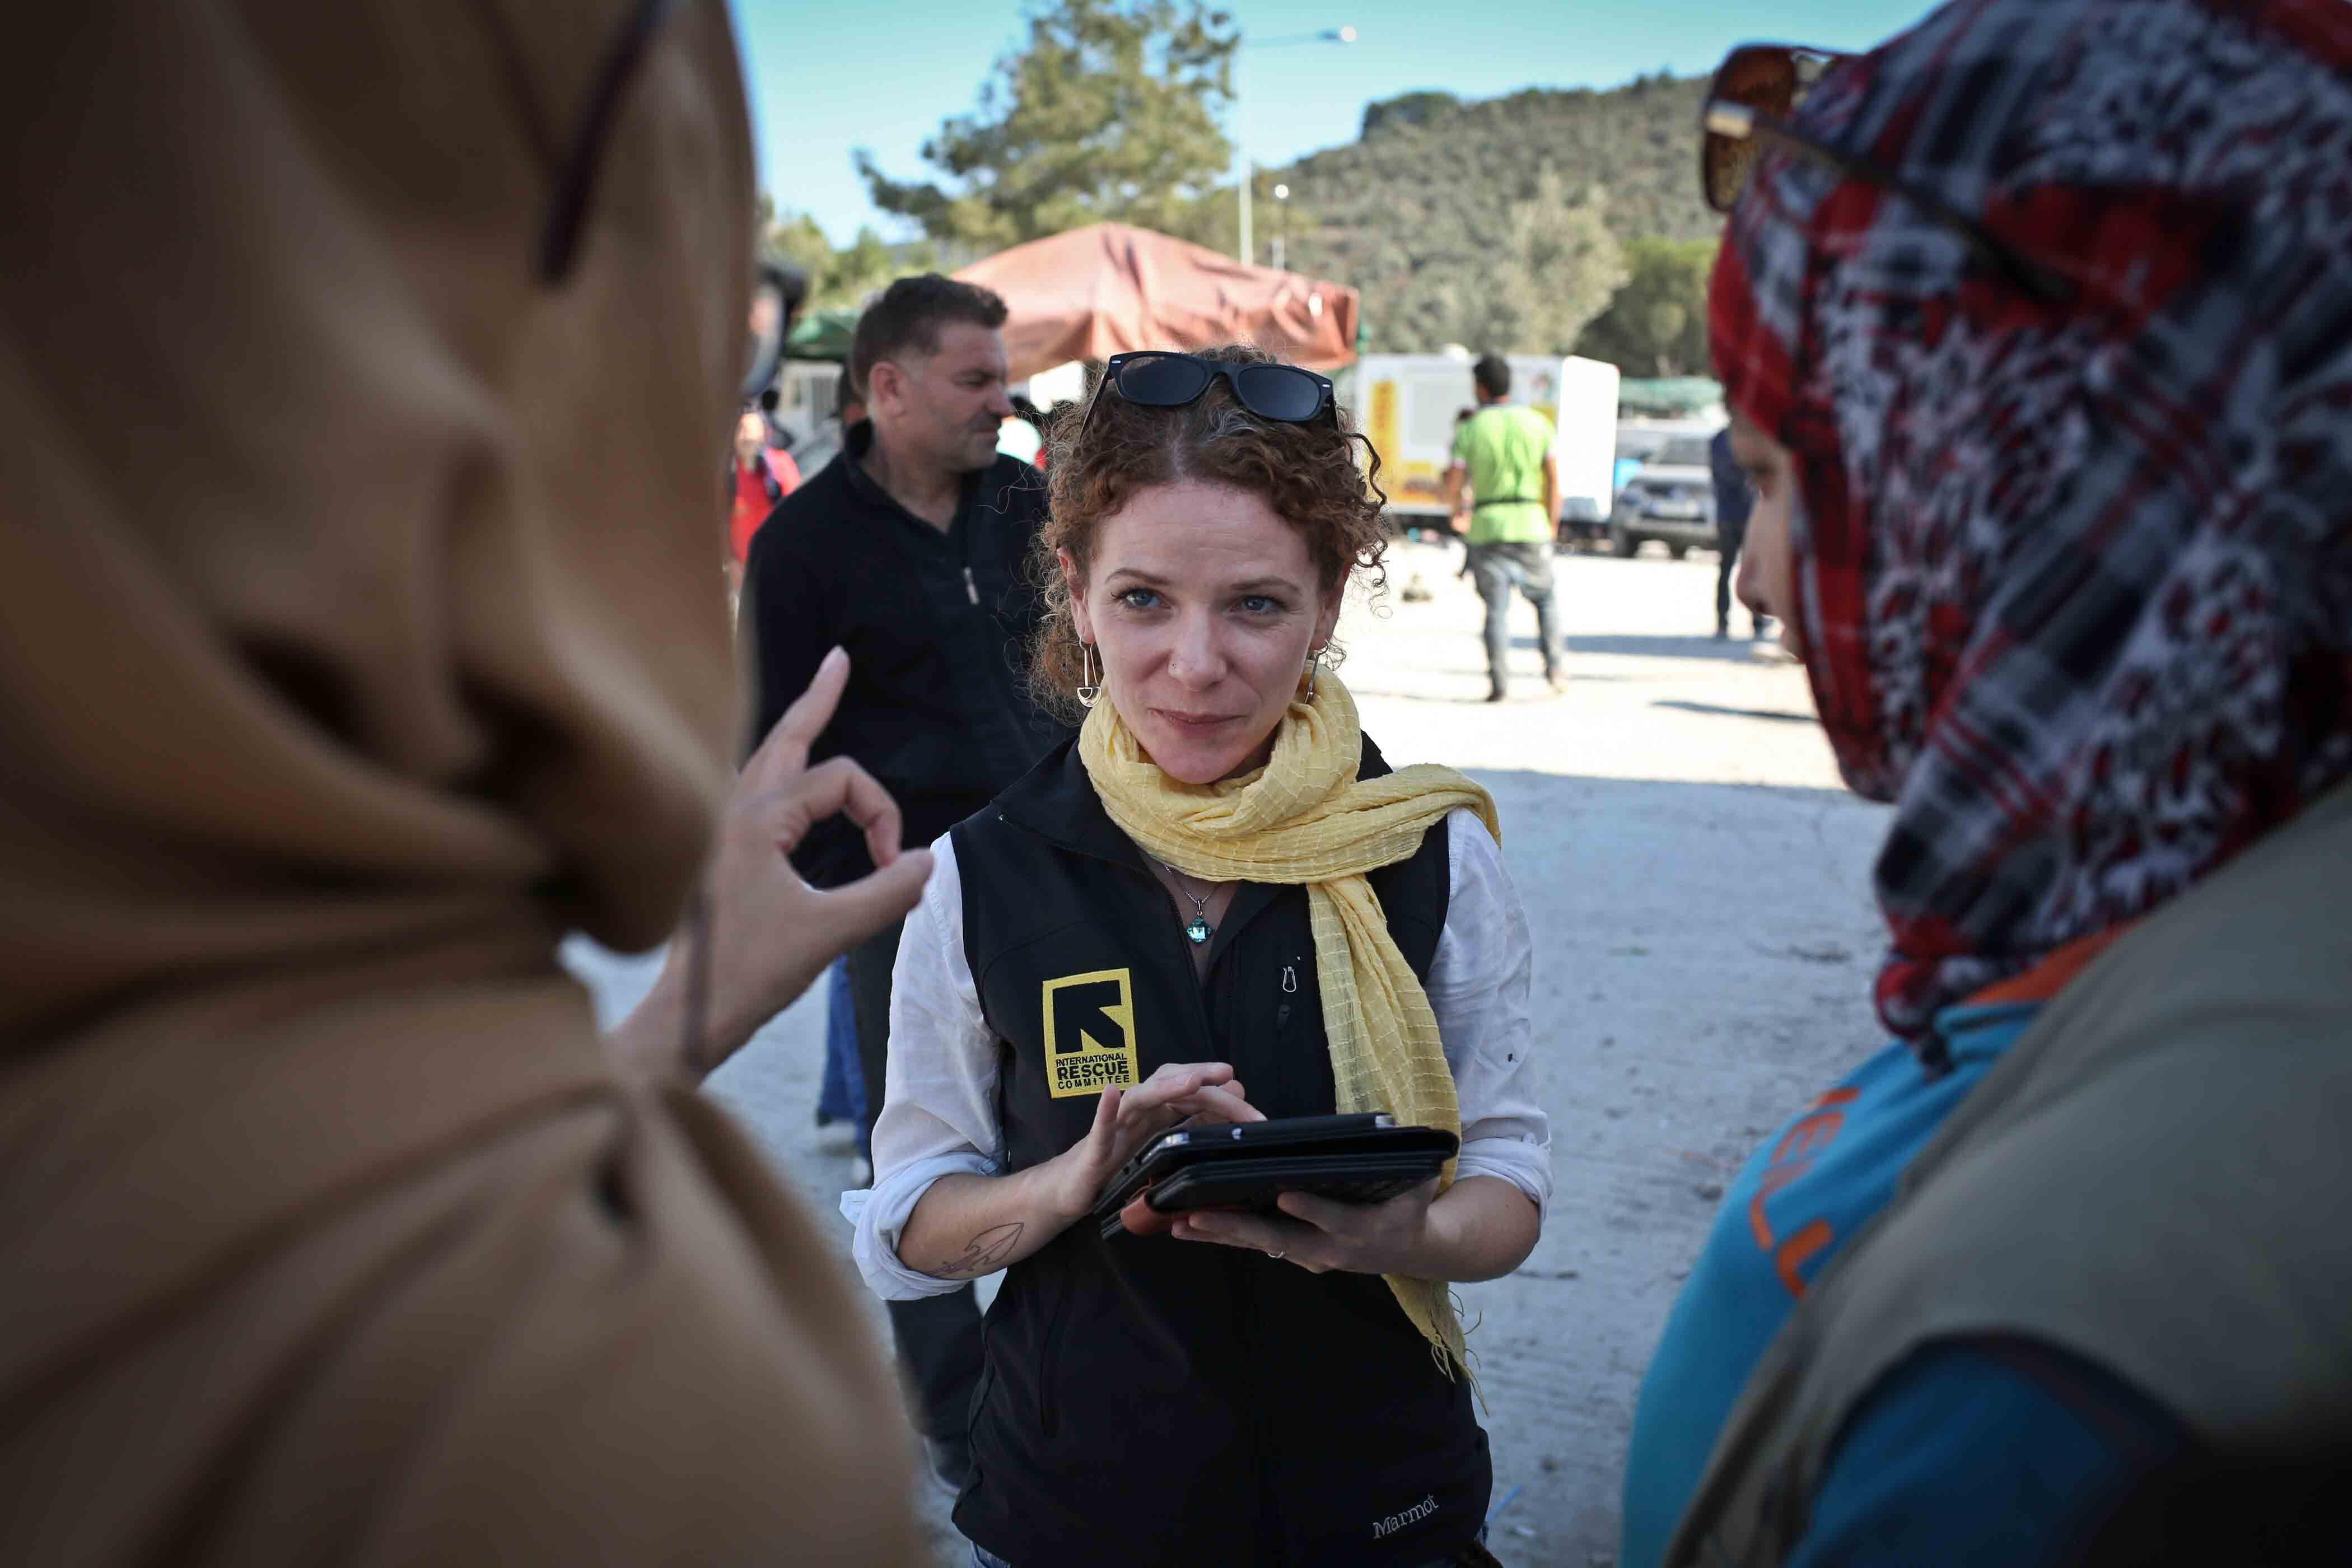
{"points": [[1358, 1159]]}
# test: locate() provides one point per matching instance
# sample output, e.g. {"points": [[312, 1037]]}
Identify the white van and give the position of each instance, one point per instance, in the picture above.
{"points": [[1408, 406]]}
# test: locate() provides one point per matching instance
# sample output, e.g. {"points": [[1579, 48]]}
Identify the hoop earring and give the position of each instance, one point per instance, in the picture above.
{"points": [[1091, 692], [1313, 669]]}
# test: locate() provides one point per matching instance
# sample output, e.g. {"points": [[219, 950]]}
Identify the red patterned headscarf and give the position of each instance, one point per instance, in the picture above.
{"points": [[2074, 582]]}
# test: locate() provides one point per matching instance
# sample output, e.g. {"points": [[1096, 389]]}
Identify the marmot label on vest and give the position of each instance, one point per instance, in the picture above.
{"points": [[1089, 1033], [1413, 1515]]}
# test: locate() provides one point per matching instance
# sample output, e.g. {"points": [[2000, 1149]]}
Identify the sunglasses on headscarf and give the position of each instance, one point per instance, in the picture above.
{"points": [[776, 292], [1756, 93], [1157, 378]]}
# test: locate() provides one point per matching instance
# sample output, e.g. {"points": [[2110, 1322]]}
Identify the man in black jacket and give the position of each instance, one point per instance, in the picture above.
{"points": [[909, 549]]}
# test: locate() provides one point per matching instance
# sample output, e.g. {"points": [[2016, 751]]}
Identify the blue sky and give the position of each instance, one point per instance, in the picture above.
{"points": [[827, 77]]}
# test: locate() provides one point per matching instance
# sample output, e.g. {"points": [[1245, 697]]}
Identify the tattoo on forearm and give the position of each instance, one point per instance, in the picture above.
{"points": [[985, 1254]]}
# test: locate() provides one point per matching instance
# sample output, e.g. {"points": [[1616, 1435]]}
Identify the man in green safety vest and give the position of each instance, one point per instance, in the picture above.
{"points": [[1505, 454]]}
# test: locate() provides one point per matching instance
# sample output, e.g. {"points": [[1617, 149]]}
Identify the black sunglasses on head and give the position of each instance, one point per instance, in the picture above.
{"points": [[1755, 93], [1157, 378]]}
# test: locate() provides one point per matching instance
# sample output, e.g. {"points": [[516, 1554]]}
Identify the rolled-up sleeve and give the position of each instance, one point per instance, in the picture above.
{"points": [[939, 1110], [1479, 985]]}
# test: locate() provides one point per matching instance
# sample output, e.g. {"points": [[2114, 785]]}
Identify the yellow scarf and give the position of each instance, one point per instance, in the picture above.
{"points": [[1305, 819]]}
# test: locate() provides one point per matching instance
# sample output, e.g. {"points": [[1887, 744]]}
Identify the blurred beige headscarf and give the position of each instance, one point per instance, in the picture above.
{"points": [[363, 630]]}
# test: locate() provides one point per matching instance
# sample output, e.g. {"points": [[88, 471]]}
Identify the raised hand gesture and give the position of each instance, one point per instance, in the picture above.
{"points": [[763, 934]]}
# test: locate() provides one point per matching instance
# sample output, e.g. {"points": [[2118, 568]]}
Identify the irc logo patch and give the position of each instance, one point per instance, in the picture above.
{"points": [[1089, 1033]]}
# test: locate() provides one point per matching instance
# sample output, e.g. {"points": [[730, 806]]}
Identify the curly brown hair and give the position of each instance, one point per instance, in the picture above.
{"points": [[1309, 474]]}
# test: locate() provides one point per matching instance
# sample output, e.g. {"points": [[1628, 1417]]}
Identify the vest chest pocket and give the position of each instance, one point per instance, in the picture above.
{"points": [[1278, 1048]]}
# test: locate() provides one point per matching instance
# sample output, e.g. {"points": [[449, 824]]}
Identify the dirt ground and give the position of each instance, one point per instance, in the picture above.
{"points": [[1699, 885]]}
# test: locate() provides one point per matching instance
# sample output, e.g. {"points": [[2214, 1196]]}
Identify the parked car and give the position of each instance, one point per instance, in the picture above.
{"points": [[1670, 499]]}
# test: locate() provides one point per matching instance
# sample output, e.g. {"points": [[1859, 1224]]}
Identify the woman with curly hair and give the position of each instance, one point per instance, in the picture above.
{"points": [[1217, 902]]}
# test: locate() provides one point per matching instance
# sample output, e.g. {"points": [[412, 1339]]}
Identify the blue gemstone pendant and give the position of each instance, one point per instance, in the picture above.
{"points": [[1198, 931]]}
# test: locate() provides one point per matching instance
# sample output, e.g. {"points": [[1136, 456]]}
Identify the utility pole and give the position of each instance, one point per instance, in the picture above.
{"points": [[1247, 250]]}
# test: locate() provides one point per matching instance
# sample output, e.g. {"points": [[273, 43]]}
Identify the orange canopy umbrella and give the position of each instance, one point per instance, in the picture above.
{"points": [[1109, 288]]}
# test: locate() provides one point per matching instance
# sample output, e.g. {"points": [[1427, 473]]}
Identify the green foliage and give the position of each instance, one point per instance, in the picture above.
{"points": [[838, 280], [1559, 268], [1406, 109], [792, 238], [1657, 326], [865, 266], [1213, 217], [1109, 112], [1422, 214]]}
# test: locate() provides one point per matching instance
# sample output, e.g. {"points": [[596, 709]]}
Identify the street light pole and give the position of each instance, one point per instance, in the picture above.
{"points": [[1241, 156], [1242, 171], [1282, 226]]}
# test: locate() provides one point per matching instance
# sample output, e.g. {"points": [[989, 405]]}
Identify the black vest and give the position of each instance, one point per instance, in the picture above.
{"points": [[1153, 1401]]}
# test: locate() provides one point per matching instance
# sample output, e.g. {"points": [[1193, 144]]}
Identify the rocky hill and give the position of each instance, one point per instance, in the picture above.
{"points": [[1417, 210]]}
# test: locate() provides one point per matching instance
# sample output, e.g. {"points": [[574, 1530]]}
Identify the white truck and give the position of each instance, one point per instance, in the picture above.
{"points": [[1408, 403], [805, 389]]}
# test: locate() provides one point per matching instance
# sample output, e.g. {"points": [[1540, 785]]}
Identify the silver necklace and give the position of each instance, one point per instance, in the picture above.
{"points": [[1198, 927]]}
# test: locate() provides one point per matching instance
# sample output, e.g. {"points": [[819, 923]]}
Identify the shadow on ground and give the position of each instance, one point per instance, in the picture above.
{"points": [[1778, 715], [1524, 687], [1733, 651]]}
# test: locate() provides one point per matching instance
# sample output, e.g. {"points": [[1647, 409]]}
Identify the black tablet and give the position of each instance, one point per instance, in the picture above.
{"points": [[1351, 1159]]}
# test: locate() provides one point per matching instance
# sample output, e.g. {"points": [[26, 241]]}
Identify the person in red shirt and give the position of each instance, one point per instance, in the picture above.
{"points": [[763, 476]]}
